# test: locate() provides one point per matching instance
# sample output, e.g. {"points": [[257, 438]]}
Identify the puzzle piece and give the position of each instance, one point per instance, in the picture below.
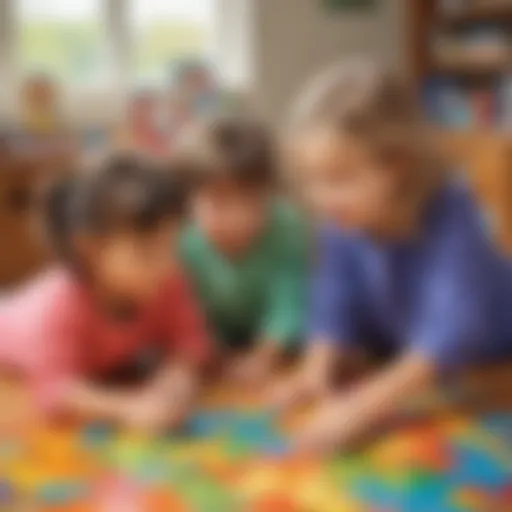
{"points": [[163, 501], [227, 461], [433, 453], [472, 499], [60, 493], [96, 435], [499, 424], [6, 493], [208, 424], [275, 502], [118, 494]]}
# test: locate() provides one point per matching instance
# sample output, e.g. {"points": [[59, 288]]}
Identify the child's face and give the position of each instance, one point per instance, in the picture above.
{"points": [[131, 265], [143, 109], [231, 216], [343, 181], [40, 93]]}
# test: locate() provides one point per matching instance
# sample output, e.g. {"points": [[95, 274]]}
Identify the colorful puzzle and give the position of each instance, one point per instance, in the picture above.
{"points": [[239, 460]]}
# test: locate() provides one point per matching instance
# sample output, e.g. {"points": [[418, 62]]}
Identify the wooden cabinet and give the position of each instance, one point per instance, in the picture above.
{"points": [[487, 160], [22, 178]]}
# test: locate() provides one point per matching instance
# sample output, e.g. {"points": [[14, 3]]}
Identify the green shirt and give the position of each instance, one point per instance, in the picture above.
{"points": [[261, 295]]}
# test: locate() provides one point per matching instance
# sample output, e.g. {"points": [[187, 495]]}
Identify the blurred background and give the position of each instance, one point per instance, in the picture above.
{"points": [[82, 75]]}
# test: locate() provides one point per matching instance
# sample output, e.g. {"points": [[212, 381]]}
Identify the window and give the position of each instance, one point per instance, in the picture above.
{"points": [[64, 38], [97, 48], [165, 32]]}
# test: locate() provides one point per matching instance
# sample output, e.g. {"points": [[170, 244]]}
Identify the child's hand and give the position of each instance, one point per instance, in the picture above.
{"points": [[254, 368], [148, 413], [332, 427], [177, 385], [288, 392], [312, 381], [247, 370]]}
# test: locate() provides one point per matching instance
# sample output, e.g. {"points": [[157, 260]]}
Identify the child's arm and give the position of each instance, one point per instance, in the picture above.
{"points": [[133, 409], [59, 389], [283, 321], [57, 365], [282, 324], [330, 315], [348, 417], [312, 379], [445, 325], [191, 348]]}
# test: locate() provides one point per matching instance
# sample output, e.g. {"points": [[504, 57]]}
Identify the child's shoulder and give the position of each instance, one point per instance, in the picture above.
{"points": [[286, 217], [191, 242], [455, 190], [54, 290], [287, 212], [55, 281], [454, 203], [288, 228]]}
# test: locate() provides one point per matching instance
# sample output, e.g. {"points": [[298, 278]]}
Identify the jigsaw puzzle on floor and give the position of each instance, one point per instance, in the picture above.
{"points": [[238, 460]]}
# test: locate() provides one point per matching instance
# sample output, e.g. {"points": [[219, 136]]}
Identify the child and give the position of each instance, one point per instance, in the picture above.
{"points": [[143, 131], [112, 299], [40, 106], [404, 268], [193, 95], [245, 249]]}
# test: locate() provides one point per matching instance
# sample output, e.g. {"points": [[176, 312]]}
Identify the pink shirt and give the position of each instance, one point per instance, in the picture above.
{"points": [[51, 330]]}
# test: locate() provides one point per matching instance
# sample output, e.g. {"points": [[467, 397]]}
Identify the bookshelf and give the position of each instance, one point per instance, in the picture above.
{"points": [[460, 57]]}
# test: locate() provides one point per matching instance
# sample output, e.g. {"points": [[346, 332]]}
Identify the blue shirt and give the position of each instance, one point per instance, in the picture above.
{"points": [[445, 293]]}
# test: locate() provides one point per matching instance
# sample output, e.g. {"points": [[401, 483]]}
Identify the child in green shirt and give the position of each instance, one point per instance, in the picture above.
{"points": [[245, 249]]}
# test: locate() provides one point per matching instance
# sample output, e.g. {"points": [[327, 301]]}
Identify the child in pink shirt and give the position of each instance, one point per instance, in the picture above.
{"points": [[114, 295]]}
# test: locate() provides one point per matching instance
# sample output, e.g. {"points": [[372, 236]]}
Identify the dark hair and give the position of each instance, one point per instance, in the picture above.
{"points": [[236, 148], [125, 191]]}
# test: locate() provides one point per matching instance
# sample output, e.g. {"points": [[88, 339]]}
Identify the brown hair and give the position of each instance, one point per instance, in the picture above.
{"points": [[362, 98], [124, 190], [239, 149]]}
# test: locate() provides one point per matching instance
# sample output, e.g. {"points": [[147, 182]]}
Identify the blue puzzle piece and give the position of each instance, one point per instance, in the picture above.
{"points": [[209, 423], [96, 434], [6, 493], [499, 424], [61, 493], [475, 467], [253, 427], [425, 496], [276, 447]]}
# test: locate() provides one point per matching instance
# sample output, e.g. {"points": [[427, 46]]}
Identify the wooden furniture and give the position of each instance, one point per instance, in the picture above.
{"points": [[428, 19], [485, 152], [24, 170], [487, 160]]}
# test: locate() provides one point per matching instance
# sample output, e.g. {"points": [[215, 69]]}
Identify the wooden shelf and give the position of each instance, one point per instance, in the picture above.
{"points": [[472, 68], [498, 14], [485, 155]]}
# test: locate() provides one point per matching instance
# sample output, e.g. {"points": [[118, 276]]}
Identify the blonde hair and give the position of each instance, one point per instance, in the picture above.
{"points": [[364, 99]]}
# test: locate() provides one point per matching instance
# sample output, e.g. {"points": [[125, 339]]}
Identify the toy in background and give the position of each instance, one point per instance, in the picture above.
{"points": [[193, 93], [40, 112], [455, 104], [143, 129], [42, 139]]}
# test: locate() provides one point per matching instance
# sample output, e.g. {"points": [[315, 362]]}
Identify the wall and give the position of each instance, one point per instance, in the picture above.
{"points": [[267, 47], [295, 38]]}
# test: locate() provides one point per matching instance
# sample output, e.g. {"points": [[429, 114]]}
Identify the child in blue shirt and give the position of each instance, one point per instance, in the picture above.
{"points": [[404, 266]]}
